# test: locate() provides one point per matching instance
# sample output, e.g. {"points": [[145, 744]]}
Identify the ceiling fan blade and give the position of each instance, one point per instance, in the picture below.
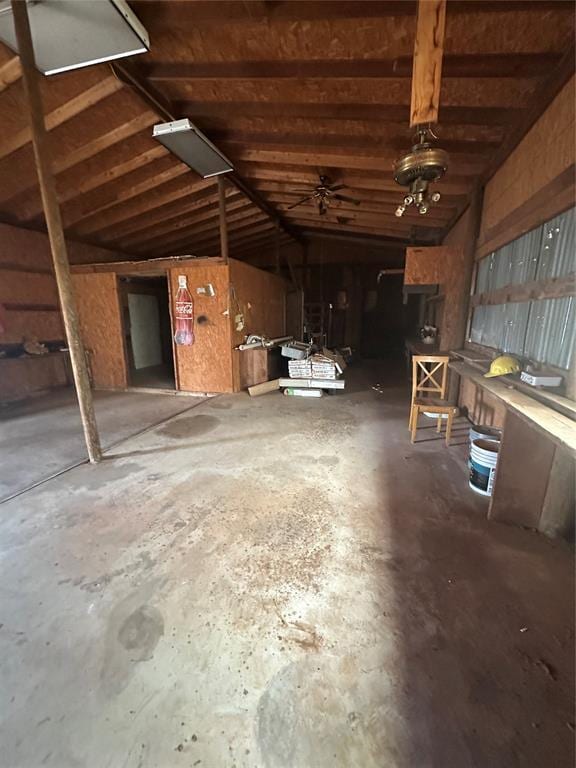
{"points": [[337, 188], [427, 68], [304, 200], [346, 199]]}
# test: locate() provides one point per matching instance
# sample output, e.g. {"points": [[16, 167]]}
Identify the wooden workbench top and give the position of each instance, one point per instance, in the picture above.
{"points": [[556, 426]]}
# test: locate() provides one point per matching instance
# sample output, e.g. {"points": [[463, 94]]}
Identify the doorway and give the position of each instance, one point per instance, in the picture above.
{"points": [[147, 332]]}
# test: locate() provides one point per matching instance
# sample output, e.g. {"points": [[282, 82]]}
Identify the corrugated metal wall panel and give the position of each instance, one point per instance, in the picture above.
{"points": [[544, 331], [557, 254], [551, 331]]}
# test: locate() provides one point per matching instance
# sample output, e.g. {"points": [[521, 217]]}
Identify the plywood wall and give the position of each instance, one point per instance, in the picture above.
{"points": [[424, 266], [98, 305], [444, 266], [29, 296], [27, 288], [537, 180], [260, 297], [480, 406], [206, 365], [23, 376], [210, 364]]}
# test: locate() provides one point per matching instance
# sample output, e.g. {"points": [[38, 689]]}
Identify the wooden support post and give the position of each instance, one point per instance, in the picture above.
{"points": [[223, 226], [427, 68], [55, 231], [277, 247], [305, 269]]}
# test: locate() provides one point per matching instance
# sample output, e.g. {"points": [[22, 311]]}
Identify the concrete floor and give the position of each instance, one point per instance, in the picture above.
{"points": [[281, 583], [156, 377], [43, 435]]}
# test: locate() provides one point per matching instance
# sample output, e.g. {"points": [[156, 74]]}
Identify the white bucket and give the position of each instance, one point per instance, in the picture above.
{"points": [[483, 461], [485, 433]]}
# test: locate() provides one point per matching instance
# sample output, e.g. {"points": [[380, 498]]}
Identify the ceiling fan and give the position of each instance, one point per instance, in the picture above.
{"points": [[424, 163], [323, 194]]}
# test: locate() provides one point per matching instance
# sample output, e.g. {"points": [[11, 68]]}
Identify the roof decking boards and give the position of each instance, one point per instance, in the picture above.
{"points": [[286, 90]]}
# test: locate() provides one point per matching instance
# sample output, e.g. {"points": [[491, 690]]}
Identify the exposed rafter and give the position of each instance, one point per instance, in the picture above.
{"points": [[130, 75]]}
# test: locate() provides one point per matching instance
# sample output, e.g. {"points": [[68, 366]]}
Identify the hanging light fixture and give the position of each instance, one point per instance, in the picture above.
{"points": [[188, 143], [420, 167], [69, 34]]}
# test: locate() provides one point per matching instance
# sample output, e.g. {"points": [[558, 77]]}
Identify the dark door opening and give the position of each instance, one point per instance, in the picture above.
{"points": [[147, 332], [386, 319]]}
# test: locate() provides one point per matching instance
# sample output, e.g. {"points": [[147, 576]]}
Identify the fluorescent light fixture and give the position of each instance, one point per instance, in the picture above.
{"points": [[185, 141], [69, 34]]}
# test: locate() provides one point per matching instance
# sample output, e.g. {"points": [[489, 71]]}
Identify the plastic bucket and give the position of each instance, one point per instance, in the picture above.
{"points": [[483, 461], [484, 433]]}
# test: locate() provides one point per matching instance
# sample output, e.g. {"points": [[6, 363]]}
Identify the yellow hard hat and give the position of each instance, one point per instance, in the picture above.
{"points": [[502, 365]]}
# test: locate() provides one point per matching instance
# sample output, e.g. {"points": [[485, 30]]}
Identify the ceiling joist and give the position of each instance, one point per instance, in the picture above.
{"points": [[284, 116]]}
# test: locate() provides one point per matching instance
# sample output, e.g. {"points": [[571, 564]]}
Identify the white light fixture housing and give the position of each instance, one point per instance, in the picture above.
{"points": [[69, 34], [185, 141]]}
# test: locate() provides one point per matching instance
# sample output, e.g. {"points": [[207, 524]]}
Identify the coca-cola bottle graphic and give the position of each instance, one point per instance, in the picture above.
{"points": [[184, 315]]}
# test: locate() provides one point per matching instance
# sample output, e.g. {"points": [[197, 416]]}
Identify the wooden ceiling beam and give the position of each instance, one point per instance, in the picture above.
{"points": [[318, 158], [368, 180], [388, 113], [237, 208], [387, 216], [375, 198], [400, 235], [208, 241], [104, 168], [311, 140], [168, 212], [474, 65], [175, 189], [178, 15], [10, 72], [250, 232], [141, 180], [385, 244], [171, 219], [428, 66], [63, 160], [376, 203], [14, 141], [163, 107], [256, 243], [390, 224], [267, 238]]}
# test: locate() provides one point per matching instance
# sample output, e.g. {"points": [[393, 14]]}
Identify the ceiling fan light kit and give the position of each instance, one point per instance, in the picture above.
{"points": [[323, 194], [422, 166]]}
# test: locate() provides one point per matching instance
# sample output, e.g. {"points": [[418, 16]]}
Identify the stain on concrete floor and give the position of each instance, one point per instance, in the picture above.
{"points": [[309, 590], [188, 426]]}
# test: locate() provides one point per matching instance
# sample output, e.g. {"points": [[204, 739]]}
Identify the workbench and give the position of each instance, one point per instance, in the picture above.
{"points": [[534, 484]]}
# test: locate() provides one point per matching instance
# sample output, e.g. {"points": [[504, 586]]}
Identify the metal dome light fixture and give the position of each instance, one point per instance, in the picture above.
{"points": [[420, 167]]}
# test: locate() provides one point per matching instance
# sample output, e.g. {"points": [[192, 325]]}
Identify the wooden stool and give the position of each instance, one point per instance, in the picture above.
{"points": [[429, 380]]}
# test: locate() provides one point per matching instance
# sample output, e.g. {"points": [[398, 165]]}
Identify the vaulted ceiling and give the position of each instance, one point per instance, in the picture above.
{"points": [[287, 90]]}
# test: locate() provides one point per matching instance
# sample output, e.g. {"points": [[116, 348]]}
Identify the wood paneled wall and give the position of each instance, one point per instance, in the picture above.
{"points": [[442, 265], [536, 182], [27, 287], [209, 365], [261, 299], [98, 304], [29, 296]]}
